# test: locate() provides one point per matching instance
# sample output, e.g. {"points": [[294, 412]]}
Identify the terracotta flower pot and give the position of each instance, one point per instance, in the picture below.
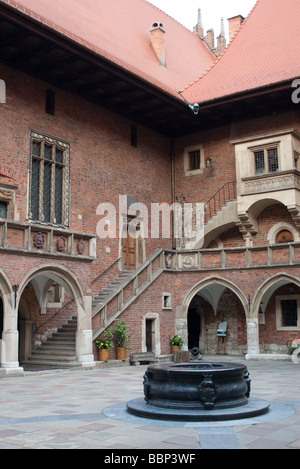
{"points": [[175, 347], [121, 353], [103, 354]]}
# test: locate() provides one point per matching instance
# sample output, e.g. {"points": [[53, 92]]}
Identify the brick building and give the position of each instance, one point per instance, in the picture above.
{"points": [[103, 119]]}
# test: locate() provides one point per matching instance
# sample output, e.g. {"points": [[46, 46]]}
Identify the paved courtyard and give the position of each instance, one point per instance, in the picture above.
{"points": [[87, 410]]}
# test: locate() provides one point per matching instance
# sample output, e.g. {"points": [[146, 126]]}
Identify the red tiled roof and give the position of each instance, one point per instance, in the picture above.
{"points": [[118, 30], [265, 51]]}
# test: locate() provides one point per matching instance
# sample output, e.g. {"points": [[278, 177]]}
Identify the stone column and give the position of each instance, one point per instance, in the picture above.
{"points": [[10, 340], [252, 338], [84, 334], [181, 327]]}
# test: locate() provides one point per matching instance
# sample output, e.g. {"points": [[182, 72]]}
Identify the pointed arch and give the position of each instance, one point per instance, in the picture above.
{"points": [[212, 294], [267, 288], [60, 274]]}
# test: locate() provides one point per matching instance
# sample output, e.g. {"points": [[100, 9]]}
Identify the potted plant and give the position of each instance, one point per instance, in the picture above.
{"points": [[105, 344], [292, 345], [176, 342], [121, 338]]}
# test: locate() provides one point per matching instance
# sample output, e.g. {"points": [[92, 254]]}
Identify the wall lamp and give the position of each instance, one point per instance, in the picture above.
{"points": [[208, 162]]}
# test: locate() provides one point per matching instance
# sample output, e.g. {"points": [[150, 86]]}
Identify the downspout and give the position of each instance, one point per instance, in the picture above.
{"points": [[172, 187]]}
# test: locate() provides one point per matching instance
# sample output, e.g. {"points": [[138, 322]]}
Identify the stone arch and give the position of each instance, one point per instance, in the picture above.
{"points": [[61, 274], [264, 292], [210, 282], [6, 290], [212, 289], [278, 227], [9, 337], [40, 278]]}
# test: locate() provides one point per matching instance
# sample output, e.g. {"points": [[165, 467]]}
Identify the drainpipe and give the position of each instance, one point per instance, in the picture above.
{"points": [[172, 186]]}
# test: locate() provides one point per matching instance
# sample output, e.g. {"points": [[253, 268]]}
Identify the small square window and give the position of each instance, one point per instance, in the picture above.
{"points": [[166, 300], [194, 160]]}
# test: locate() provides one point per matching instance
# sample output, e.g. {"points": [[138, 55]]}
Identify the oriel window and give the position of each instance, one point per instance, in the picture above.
{"points": [[49, 180], [266, 160]]}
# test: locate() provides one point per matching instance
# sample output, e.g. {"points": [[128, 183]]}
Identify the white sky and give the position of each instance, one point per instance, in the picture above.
{"points": [[186, 11]]}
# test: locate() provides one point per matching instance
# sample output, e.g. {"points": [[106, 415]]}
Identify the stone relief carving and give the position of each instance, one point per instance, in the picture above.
{"points": [[39, 240], [61, 244], [80, 247]]}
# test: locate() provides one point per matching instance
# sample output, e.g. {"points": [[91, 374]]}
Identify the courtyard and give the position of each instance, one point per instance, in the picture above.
{"points": [[87, 410]]}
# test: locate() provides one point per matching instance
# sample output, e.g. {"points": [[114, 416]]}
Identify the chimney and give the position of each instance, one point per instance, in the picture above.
{"points": [[234, 24], [157, 33], [210, 39]]}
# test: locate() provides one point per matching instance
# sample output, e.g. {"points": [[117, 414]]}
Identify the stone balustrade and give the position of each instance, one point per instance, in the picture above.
{"points": [[34, 239], [233, 258]]}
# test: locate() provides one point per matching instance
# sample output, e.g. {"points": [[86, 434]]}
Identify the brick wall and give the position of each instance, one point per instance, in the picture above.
{"points": [[103, 164]]}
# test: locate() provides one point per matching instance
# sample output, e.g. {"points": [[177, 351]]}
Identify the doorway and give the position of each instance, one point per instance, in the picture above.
{"points": [[133, 244], [149, 334], [129, 246], [194, 328]]}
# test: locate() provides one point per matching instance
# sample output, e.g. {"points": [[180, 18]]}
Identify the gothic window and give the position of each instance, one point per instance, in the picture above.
{"points": [[49, 180]]}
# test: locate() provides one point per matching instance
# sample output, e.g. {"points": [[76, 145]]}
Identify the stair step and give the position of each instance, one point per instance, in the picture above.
{"points": [[51, 364], [59, 351]]}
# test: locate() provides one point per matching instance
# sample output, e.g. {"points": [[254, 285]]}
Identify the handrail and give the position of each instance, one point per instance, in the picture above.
{"points": [[130, 279], [53, 315], [231, 185], [106, 270]]}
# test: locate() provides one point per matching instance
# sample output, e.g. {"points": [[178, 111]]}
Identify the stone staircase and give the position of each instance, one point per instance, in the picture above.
{"points": [[111, 302], [110, 290], [59, 351]]}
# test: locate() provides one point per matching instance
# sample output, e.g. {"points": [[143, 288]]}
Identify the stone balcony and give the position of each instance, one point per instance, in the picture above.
{"points": [[39, 240], [272, 182], [235, 258], [258, 192]]}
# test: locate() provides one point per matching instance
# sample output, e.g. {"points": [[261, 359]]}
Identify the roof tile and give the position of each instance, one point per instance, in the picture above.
{"points": [[119, 31], [264, 51]]}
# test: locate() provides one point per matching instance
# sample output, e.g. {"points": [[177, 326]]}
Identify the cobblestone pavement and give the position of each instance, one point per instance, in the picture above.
{"points": [[87, 410]]}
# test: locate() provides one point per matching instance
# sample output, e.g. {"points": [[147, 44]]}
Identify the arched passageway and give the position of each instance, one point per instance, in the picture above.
{"points": [[208, 303], [44, 300]]}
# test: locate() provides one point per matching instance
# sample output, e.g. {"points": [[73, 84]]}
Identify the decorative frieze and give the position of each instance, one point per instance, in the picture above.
{"points": [[271, 183], [44, 240]]}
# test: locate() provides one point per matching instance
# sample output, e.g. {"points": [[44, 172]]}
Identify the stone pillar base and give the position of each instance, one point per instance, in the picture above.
{"points": [[11, 369]]}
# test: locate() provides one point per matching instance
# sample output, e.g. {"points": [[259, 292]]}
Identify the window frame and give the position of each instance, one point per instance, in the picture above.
{"points": [[278, 301], [53, 165], [193, 149], [265, 149]]}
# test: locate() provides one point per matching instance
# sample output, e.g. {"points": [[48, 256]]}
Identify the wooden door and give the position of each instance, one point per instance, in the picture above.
{"points": [[129, 250]]}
